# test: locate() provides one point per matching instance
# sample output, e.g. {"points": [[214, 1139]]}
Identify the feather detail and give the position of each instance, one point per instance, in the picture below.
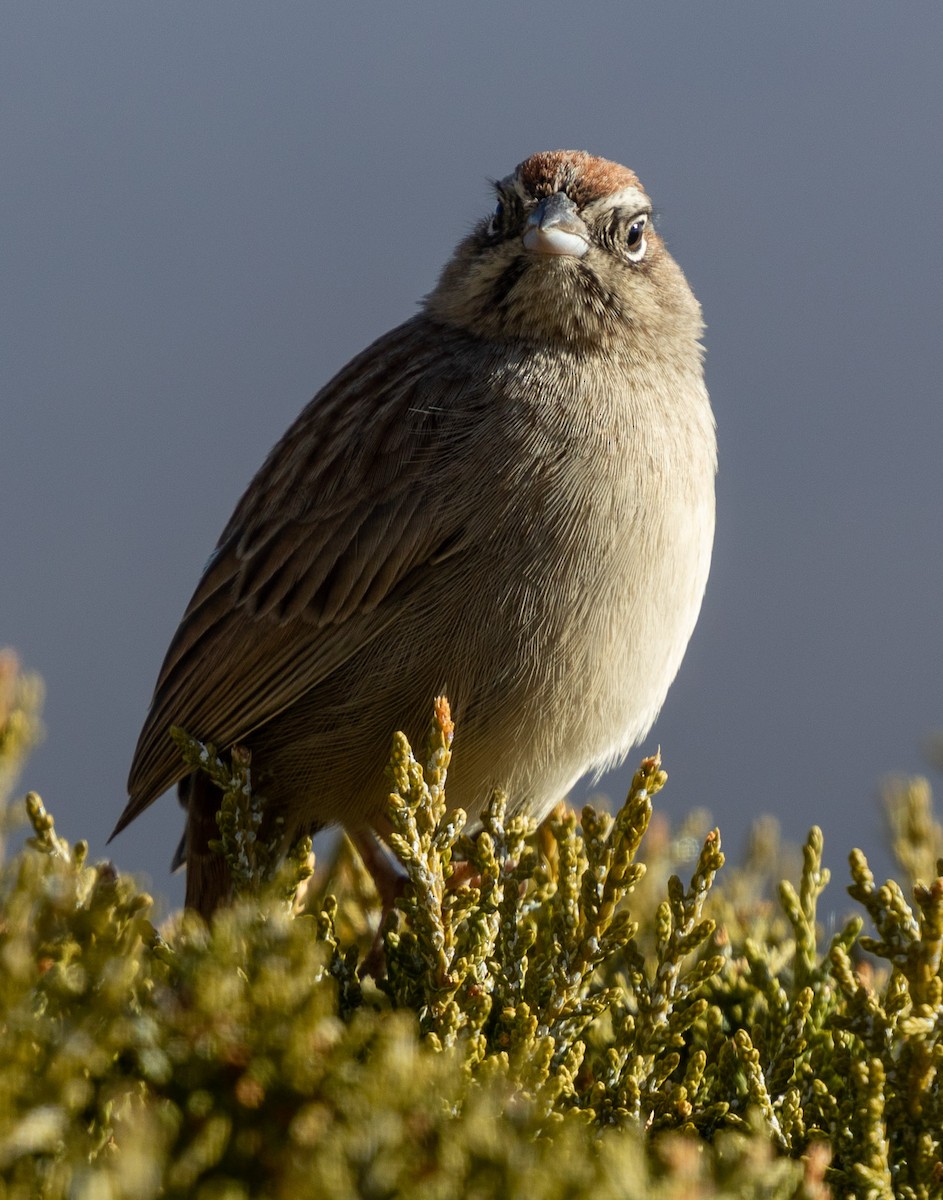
{"points": [[311, 551]]}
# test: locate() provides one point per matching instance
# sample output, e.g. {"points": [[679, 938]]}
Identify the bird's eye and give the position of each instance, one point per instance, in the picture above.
{"points": [[635, 244], [496, 224]]}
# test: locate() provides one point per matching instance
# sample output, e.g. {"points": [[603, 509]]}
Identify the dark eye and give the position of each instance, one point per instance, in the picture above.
{"points": [[635, 244], [496, 224]]}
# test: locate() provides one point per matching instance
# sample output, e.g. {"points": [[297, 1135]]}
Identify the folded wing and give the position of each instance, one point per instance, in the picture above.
{"points": [[339, 529]]}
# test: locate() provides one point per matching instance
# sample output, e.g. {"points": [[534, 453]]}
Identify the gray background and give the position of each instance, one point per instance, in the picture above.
{"points": [[206, 209]]}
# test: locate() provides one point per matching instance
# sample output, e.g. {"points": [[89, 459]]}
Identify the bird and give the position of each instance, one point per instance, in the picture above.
{"points": [[508, 500]]}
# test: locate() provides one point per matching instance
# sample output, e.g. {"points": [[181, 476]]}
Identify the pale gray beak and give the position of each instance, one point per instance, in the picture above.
{"points": [[555, 227]]}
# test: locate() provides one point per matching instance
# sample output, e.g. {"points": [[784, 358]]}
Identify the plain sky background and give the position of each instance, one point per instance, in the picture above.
{"points": [[206, 209]]}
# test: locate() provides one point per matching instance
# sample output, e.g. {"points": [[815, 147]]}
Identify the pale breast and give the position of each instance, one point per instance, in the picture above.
{"points": [[603, 521]]}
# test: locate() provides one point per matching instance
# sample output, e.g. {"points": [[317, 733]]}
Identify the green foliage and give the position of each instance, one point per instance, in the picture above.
{"points": [[552, 1016], [21, 698]]}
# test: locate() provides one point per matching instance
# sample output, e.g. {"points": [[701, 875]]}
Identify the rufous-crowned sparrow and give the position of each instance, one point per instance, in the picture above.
{"points": [[509, 500]]}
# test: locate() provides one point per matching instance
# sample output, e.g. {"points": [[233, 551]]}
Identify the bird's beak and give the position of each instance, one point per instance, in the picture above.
{"points": [[555, 227]]}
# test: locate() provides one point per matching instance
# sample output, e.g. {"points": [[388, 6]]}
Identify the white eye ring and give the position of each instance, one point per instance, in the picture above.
{"points": [[636, 242]]}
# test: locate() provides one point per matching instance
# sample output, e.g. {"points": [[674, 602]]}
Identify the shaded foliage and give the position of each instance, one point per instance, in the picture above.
{"points": [[554, 1016]]}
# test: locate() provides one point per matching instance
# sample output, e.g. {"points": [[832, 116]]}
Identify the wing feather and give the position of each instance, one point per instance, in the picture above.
{"points": [[312, 566]]}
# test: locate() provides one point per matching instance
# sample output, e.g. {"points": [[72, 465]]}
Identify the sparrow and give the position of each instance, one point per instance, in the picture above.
{"points": [[507, 500]]}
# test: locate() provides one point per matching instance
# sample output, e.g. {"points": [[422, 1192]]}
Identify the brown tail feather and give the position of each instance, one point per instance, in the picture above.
{"points": [[208, 881]]}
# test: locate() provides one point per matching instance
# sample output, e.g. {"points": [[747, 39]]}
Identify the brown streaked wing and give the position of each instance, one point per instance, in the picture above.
{"points": [[310, 568]]}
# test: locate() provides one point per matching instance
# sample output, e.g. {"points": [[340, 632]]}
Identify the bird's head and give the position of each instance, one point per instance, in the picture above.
{"points": [[568, 256]]}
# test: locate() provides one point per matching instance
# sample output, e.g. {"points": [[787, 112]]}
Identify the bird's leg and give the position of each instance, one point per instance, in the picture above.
{"points": [[388, 878], [389, 881]]}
